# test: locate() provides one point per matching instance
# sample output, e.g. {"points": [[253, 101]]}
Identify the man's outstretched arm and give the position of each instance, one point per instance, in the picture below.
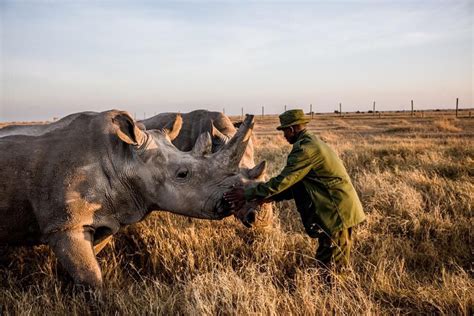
{"points": [[299, 163]]}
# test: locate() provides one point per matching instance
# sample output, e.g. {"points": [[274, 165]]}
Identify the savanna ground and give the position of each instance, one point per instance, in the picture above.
{"points": [[413, 255]]}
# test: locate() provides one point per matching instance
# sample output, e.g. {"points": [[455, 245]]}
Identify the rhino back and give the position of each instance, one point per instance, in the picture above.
{"points": [[33, 129], [41, 129]]}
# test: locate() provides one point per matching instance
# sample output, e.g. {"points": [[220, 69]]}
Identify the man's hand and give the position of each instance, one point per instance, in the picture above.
{"points": [[235, 197]]}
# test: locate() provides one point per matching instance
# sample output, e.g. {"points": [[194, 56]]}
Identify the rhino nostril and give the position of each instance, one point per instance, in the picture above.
{"points": [[225, 206]]}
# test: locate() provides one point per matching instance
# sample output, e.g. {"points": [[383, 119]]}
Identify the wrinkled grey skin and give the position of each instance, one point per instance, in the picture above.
{"points": [[73, 187], [221, 129]]}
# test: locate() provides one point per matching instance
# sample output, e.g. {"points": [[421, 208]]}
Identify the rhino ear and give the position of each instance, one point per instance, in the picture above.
{"points": [[258, 171], [127, 130], [173, 128], [203, 145]]}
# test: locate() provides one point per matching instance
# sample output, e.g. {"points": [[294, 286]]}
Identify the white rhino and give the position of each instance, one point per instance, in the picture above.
{"points": [[221, 130], [74, 186]]}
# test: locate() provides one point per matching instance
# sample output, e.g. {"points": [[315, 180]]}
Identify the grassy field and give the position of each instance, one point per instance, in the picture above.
{"points": [[413, 255]]}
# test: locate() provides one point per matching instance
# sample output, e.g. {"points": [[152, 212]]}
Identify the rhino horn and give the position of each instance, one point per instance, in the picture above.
{"points": [[216, 134], [233, 151], [237, 124], [127, 130], [173, 128], [203, 145], [257, 171]]}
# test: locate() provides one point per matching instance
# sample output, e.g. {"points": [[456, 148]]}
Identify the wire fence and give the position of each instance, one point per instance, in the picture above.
{"points": [[413, 112]]}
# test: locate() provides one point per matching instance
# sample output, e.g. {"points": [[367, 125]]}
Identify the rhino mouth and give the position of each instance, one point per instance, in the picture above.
{"points": [[223, 208], [216, 207]]}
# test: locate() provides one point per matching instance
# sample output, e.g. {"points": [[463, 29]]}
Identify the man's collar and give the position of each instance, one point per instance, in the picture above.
{"points": [[301, 134]]}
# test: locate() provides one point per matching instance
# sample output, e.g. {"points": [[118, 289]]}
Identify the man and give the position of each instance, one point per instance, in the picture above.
{"points": [[317, 180]]}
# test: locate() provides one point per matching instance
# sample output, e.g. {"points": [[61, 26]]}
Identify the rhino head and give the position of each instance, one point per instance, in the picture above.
{"points": [[221, 130], [187, 183]]}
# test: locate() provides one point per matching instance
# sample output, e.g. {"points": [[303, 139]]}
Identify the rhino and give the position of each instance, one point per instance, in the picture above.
{"points": [[221, 130], [73, 187]]}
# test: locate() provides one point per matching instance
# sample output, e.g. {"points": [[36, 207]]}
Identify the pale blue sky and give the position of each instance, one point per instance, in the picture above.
{"points": [[59, 57]]}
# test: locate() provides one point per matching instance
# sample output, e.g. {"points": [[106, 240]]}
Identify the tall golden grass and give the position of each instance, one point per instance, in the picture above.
{"points": [[413, 254]]}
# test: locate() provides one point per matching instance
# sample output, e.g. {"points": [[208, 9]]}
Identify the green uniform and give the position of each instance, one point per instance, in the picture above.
{"points": [[318, 181]]}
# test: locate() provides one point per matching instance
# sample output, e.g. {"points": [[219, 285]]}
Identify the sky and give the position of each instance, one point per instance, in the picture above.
{"points": [[148, 57]]}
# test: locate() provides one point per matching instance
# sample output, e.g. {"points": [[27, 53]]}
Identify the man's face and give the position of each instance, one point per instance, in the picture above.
{"points": [[289, 134]]}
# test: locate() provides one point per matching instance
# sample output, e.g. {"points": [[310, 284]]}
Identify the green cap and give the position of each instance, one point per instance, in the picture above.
{"points": [[292, 117]]}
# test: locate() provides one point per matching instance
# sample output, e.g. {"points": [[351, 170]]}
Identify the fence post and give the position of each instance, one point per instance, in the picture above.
{"points": [[457, 105], [340, 109], [374, 108], [242, 113], [412, 113], [311, 110], [263, 111], [285, 107]]}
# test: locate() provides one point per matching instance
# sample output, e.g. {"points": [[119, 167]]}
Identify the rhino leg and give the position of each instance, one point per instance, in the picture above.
{"points": [[98, 247], [75, 253]]}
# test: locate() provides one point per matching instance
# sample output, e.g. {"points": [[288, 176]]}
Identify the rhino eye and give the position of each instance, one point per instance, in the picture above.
{"points": [[182, 174]]}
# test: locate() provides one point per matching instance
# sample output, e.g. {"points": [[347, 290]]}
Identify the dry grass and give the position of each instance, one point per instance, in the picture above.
{"points": [[447, 125], [413, 255]]}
